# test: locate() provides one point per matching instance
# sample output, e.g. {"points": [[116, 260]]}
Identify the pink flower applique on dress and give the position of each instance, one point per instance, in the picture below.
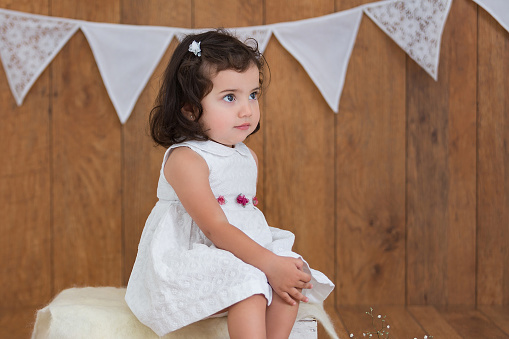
{"points": [[221, 200], [241, 199], [255, 201]]}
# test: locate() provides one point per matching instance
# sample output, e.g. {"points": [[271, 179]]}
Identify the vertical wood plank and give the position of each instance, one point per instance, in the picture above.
{"points": [[461, 204], [493, 162], [370, 172], [86, 157], [441, 169], [25, 186], [141, 159], [229, 14], [299, 147]]}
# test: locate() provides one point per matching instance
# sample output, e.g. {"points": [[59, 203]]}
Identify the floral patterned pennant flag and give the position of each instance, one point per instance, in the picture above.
{"points": [[323, 46], [28, 43], [126, 56], [499, 9], [416, 26]]}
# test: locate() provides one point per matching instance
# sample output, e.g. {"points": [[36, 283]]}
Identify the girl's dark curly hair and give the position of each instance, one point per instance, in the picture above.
{"points": [[187, 81]]}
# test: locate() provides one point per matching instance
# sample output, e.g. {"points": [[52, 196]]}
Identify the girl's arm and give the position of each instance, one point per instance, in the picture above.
{"points": [[188, 174]]}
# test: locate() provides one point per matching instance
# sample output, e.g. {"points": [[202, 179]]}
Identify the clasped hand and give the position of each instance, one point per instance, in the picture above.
{"points": [[287, 278]]}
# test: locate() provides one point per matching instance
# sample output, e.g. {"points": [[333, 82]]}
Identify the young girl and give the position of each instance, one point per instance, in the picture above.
{"points": [[206, 249]]}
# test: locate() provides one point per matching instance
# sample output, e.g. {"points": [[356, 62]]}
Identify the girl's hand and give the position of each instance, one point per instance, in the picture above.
{"points": [[287, 278]]}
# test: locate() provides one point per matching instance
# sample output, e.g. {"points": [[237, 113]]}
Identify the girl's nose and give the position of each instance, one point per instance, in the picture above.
{"points": [[246, 110]]}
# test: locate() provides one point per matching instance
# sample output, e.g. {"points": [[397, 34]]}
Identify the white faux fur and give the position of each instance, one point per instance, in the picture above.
{"points": [[101, 312]]}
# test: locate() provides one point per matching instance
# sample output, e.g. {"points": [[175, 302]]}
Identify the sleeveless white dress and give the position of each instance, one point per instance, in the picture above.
{"points": [[179, 276]]}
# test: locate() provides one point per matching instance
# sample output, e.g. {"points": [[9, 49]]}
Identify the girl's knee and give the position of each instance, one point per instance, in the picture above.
{"points": [[256, 300], [246, 319]]}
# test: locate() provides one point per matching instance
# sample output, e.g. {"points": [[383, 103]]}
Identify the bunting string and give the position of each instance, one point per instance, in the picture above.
{"points": [[127, 55]]}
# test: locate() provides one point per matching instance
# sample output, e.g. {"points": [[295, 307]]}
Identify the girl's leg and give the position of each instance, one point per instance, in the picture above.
{"points": [[280, 318], [246, 319]]}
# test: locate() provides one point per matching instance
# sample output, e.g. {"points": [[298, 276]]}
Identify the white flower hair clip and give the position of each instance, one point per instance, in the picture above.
{"points": [[195, 48]]}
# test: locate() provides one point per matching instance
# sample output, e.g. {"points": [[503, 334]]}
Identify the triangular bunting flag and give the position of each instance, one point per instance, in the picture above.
{"points": [[323, 46], [126, 56], [260, 33], [499, 9], [416, 26], [28, 43]]}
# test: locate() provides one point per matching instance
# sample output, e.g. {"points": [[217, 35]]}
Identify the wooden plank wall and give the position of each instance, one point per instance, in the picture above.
{"points": [[401, 198]]}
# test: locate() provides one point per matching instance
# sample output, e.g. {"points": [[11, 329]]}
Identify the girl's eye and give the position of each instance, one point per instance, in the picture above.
{"points": [[229, 98], [253, 96]]}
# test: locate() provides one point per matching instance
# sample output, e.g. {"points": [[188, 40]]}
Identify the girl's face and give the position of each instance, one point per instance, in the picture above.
{"points": [[230, 110]]}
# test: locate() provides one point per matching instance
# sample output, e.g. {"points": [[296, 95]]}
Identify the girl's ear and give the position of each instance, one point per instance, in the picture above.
{"points": [[189, 111]]}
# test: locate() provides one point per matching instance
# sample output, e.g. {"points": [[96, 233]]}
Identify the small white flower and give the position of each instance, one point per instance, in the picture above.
{"points": [[194, 47], [425, 337], [379, 316], [388, 326], [351, 335]]}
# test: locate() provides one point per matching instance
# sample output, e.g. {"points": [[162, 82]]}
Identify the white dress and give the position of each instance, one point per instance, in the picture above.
{"points": [[179, 276]]}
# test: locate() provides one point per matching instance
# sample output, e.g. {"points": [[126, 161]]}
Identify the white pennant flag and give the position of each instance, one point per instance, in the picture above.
{"points": [[28, 43], [499, 9], [323, 46], [416, 26], [126, 56]]}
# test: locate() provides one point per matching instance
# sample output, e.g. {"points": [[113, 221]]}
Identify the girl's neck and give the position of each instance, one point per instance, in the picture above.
{"points": [[229, 146]]}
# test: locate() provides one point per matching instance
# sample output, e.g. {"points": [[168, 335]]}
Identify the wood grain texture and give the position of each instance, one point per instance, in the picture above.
{"points": [[141, 159], [441, 167], [370, 173], [433, 322], [298, 147], [25, 188], [471, 324], [17, 323], [461, 234], [498, 314], [493, 162], [400, 321], [227, 13], [87, 191], [173, 13]]}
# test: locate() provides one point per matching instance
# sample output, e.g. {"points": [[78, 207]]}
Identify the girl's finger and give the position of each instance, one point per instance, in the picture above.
{"points": [[299, 296], [299, 263], [305, 285], [304, 276], [286, 297]]}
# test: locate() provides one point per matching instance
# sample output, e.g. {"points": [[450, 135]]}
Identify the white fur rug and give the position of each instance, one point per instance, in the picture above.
{"points": [[101, 312]]}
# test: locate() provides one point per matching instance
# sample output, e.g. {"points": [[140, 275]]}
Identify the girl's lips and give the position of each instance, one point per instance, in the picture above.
{"points": [[243, 127]]}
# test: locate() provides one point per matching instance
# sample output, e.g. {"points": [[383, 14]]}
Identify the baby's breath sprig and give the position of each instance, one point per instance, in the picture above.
{"points": [[381, 331]]}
